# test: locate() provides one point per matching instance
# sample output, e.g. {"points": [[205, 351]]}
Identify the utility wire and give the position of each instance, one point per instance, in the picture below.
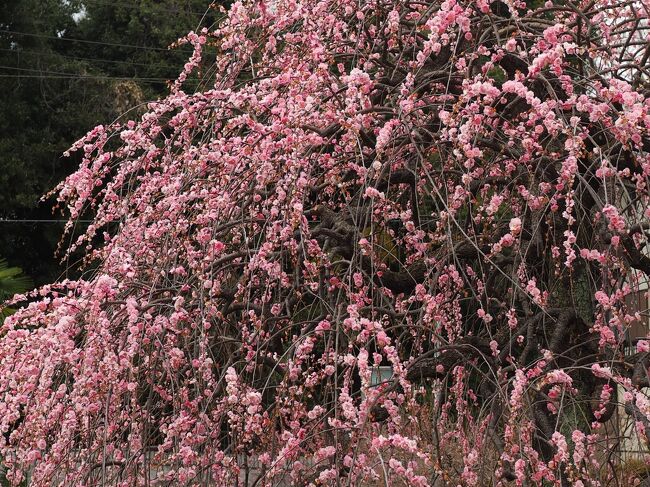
{"points": [[4, 220], [28, 76], [78, 78], [133, 5], [74, 75], [69, 39], [56, 54]]}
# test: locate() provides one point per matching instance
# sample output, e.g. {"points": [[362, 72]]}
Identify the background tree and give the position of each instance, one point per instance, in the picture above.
{"points": [[66, 66], [457, 190], [33, 133]]}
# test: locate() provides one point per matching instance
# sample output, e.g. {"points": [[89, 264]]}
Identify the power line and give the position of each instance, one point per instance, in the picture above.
{"points": [[131, 5], [4, 220], [79, 78], [73, 75], [69, 39], [56, 54], [62, 75], [143, 80]]}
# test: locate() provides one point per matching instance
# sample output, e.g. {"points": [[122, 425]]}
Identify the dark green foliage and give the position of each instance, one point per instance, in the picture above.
{"points": [[12, 281], [55, 88]]}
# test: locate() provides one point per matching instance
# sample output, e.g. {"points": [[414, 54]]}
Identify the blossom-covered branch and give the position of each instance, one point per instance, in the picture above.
{"points": [[455, 190]]}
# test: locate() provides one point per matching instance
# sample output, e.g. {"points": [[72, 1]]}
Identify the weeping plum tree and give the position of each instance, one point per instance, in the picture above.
{"points": [[456, 190]]}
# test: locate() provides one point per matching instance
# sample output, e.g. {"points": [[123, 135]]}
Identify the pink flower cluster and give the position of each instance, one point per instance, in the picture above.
{"points": [[382, 242]]}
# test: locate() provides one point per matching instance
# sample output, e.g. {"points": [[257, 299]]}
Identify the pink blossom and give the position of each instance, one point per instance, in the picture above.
{"points": [[616, 222], [515, 225]]}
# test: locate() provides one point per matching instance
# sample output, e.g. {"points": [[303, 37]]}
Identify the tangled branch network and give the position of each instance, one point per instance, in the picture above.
{"points": [[456, 192]]}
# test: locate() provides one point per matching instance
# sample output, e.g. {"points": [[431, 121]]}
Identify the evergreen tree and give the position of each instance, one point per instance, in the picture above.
{"points": [[66, 66]]}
